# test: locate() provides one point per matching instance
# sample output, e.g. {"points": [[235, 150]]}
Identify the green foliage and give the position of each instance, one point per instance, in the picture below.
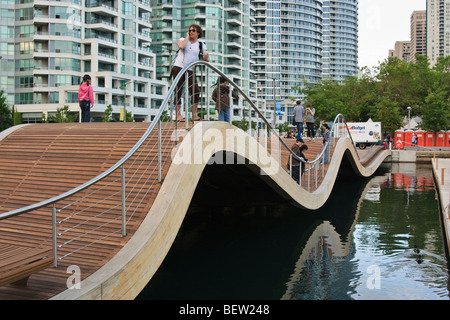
{"points": [[437, 112], [62, 115], [108, 115], [243, 124], [165, 116], [130, 117], [283, 127], [17, 118], [385, 93], [6, 119]]}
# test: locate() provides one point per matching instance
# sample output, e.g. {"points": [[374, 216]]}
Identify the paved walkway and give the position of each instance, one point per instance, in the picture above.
{"points": [[441, 171]]}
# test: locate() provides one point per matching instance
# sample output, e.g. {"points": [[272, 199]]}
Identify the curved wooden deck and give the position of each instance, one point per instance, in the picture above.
{"points": [[38, 162], [41, 161]]}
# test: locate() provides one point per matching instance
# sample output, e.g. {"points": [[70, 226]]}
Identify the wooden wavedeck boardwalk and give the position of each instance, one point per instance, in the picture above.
{"points": [[38, 162]]}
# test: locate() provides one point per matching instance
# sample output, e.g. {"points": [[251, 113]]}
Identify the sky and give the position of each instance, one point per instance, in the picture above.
{"points": [[381, 24]]}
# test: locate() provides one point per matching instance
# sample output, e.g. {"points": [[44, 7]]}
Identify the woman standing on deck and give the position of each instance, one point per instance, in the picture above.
{"points": [[309, 120], [86, 98]]}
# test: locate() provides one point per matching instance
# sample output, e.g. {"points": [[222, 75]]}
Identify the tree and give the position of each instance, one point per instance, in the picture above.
{"points": [[388, 113], [165, 116], [130, 117], [62, 115], [6, 119], [108, 116], [384, 94], [437, 112], [284, 127]]}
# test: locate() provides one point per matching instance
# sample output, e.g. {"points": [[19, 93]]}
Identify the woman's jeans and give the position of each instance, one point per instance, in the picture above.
{"points": [[300, 130], [224, 115], [85, 106]]}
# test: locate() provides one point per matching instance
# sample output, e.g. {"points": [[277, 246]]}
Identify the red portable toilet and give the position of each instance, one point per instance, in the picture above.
{"points": [[398, 180], [440, 139], [420, 138], [399, 139], [429, 139], [408, 138], [447, 139]]}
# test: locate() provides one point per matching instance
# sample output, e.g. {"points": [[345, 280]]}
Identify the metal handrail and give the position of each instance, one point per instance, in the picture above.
{"points": [[167, 103], [156, 121], [104, 174]]}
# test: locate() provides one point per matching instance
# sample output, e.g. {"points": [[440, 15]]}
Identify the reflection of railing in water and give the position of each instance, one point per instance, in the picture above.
{"points": [[325, 241]]}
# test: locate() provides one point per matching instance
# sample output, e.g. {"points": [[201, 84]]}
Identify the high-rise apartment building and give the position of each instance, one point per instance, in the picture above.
{"points": [[127, 46], [418, 34], [402, 50], [288, 49], [47, 46], [227, 33], [438, 29], [340, 39]]}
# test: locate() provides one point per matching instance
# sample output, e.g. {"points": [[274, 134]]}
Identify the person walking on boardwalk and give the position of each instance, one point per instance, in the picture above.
{"points": [[309, 120], [221, 95], [86, 98], [299, 113], [190, 50], [298, 149], [326, 140]]}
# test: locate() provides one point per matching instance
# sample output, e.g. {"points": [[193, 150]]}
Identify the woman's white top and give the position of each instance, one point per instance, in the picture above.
{"points": [[189, 54]]}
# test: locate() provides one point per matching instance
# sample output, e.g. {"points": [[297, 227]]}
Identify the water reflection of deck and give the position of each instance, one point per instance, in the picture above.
{"points": [[326, 243]]}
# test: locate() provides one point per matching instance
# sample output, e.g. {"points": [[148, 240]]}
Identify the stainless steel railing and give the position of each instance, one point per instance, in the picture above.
{"points": [[123, 187]]}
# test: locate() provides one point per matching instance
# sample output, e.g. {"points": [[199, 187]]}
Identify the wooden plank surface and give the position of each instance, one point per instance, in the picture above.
{"points": [[38, 162]]}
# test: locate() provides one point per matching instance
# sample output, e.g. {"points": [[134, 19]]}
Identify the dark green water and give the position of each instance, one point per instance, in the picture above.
{"points": [[359, 246]]}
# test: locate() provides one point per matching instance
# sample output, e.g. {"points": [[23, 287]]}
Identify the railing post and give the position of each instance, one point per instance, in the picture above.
{"points": [[230, 98], [207, 94], [124, 222], [201, 92], [309, 180], [159, 151], [55, 247], [290, 164], [186, 99], [316, 174], [323, 168], [300, 175], [249, 120], [279, 150]]}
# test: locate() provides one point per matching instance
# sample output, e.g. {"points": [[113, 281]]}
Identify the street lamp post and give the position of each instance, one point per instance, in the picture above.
{"points": [[409, 118], [125, 100]]}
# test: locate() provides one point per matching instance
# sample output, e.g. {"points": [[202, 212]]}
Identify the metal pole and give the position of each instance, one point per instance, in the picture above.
{"points": [[125, 102], [231, 103], [159, 151], [124, 222], [290, 163], [201, 92], [309, 180], [186, 98], [409, 118], [274, 106], [218, 98], [316, 174], [207, 94], [249, 120], [300, 174], [55, 247]]}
